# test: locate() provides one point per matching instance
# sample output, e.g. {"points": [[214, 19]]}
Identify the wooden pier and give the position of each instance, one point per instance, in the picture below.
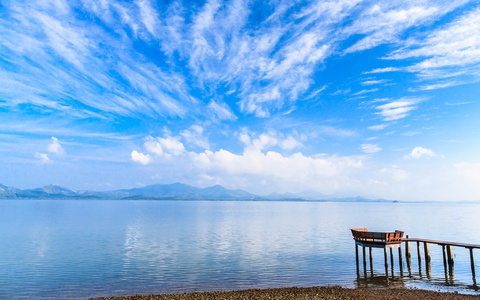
{"points": [[390, 240]]}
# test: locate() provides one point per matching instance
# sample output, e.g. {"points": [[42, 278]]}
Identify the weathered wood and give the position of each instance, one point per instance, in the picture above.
{"points": [[450, 261], [418, 253], [473, 246], [427, 252], [449, 255], [364, 259], [400, 262], [368, 238], [356, 253], [472, 262], [444, 258], [386, 261], [408, 256]]}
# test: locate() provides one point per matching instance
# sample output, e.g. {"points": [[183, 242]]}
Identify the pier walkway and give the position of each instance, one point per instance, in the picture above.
{"points": [[389, 240]]}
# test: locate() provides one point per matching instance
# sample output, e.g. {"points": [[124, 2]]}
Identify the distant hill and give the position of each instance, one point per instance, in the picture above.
{"points": [[174, 191]]}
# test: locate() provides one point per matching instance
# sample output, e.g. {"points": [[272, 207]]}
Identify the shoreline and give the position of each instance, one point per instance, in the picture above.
{"points": [[323, 292]]}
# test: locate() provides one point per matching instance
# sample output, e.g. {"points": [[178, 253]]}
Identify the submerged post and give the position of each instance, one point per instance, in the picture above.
{"points": [[472, 264], [408, 256], [400, 263], [386, 261], [419, 255], [371, 260], [450, 260], [391, 258]]}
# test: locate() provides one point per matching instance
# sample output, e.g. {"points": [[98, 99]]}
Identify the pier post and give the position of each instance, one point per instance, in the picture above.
{"points": [[356, 253], [472, 264], [418, 252], [400, 262], [391, 258], [364, 259], [371, 260], [427, 258], [444, 259], [408, 256], [450, 260], [386, 260]]}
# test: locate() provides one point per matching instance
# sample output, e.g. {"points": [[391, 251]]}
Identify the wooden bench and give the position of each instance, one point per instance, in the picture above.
{"points": [[366, 238]]}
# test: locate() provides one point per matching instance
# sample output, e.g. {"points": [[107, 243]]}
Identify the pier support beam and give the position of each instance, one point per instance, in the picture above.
{"points": [[400, 262], [386, 261], [418, 252], [472, 265], [427, 259], [408, 256], [391, 258], [450, 260]]}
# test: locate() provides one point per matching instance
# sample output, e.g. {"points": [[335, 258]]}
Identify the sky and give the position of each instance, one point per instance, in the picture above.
{"points": [[379, 99]]}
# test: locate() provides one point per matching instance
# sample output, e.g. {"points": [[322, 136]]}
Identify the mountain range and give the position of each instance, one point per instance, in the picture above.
{"points": [[174, 191]]}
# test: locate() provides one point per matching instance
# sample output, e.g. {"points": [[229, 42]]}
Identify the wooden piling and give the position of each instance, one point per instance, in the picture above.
{"points": [[356, 253], [450, 261], [419, 255], [472, 262], [364, 259], [449, 255], [444, 259], [400, 262], [408, 256], [386, 261], [391, 257], [427, 252]]}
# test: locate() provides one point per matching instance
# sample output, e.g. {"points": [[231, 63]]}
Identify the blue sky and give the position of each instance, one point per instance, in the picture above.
{"points": [[372, 98]]}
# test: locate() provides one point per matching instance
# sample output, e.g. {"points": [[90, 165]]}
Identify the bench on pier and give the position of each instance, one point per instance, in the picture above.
{"points": [[366, 238]]}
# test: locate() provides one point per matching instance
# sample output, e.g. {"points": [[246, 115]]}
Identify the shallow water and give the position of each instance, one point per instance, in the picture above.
{"points": [[81, 249]]}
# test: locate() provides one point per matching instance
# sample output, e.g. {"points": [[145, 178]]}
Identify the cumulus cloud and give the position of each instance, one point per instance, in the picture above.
{"points": [[194, 135], [43, 157], [168, 146], [370, 148], [144, 159], [55, 147], [420, 152]]}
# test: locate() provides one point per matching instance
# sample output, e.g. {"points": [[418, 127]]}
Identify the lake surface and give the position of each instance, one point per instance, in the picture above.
{"points": [[80, 249]]}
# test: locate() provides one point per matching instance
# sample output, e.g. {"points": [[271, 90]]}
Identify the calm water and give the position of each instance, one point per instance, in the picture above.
{"points": [[82, 249]]}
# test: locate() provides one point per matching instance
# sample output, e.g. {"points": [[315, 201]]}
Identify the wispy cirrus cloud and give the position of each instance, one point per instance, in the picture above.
{"points": [[397, 109], [450, 51]]}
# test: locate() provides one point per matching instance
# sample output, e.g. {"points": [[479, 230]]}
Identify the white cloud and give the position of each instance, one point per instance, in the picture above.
{"points": [[419, 152], [55, 147], [169, 146], [397, 109], [194, 135], [383, 24], [43, 157], [370, 148], [290, 143], [273, 166], [378, 127], [451, 49], [144, 159], [148, 15], [383, 70], [221, 110]]}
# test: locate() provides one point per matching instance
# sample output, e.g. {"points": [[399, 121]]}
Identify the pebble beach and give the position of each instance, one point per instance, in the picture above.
{"points": [[306, 293]]}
